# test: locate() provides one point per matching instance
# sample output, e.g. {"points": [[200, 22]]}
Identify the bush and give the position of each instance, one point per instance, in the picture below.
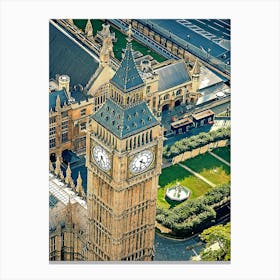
{"points": [[194, 215]]}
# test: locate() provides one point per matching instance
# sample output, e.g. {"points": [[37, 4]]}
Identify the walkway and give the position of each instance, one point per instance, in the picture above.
{"points": [[198, 175], [219, 158]]}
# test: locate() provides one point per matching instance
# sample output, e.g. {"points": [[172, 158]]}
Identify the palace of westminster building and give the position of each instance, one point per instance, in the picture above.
{"points": [[115, 121]]}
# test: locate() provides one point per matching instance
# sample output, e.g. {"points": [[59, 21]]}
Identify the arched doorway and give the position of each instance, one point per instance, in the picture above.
{"points": [[165, 107], [53, 157], [177, 103]]}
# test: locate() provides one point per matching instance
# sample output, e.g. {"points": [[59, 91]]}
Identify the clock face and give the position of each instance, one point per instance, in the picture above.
{"points": [[141, 162], [101, 158]]}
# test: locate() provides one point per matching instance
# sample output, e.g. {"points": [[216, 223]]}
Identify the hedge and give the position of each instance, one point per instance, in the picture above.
{"points": [[193, 215], [196, 141]]}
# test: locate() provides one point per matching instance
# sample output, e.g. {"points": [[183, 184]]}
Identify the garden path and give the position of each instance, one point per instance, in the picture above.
{"points": [[197, 175], [219, 158]]}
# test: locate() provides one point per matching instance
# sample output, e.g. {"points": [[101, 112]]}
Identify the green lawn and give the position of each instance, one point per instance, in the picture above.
{"points": [[121, 40], [223, 152], [210, 168], [173, 174]]}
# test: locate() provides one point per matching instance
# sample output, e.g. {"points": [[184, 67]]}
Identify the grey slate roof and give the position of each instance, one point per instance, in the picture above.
{"points": [[124, 122], [79, 96], [66, 57], [52, 98], [127, 76], [76, 94], [172, 75]]}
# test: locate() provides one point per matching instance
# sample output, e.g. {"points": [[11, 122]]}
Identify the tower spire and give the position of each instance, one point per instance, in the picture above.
{"points": [[89, 30], [129, 34], [68, 177], [196, 68], [58, 170], [127, 77], [196, 76], [79, 187]]}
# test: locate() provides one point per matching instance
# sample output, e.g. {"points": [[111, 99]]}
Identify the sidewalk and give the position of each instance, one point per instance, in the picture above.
{"points": [[219, 158]]}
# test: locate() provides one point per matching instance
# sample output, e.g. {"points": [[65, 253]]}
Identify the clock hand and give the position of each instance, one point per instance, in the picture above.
{"points": [[101, 158]]}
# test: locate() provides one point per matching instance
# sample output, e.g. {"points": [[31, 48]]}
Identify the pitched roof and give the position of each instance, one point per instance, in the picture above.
{"points": [[124, 122], [67, 57], [127, 77], [203, 114], [52, 98], [172, 75]]}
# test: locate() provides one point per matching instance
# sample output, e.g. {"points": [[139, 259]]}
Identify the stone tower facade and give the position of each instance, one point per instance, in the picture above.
{"points": [[124, 154]]}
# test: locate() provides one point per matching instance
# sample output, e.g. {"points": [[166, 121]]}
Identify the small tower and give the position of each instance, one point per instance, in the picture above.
{"points": [[107, 45], [68, 177], [64, 83], [89, 30], [79, 187], [195, 76], [58, 170], [105, 32], [106, 51]]}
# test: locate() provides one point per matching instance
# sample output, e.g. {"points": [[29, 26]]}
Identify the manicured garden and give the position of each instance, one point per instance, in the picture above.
{"points": [[173, 174], [121, 40], [206, 165], [223, 152], [210, 168]]}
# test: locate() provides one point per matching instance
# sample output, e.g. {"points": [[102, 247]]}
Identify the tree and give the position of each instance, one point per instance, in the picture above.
{"points": [[217, 239]]}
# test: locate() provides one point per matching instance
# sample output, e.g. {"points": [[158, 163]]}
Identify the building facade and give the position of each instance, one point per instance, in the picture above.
{"points": [[123, 157], [166, 85], [68, 117], [124, 150]]}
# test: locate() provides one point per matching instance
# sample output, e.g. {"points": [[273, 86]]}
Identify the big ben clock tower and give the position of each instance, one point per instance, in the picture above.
{"points": [[124, 154]]}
